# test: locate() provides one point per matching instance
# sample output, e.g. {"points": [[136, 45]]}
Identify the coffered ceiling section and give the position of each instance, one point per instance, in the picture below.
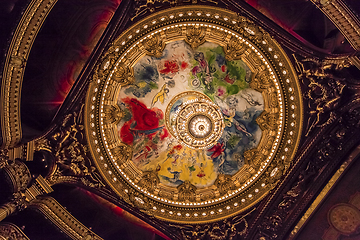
{"points": [[193, 114]]}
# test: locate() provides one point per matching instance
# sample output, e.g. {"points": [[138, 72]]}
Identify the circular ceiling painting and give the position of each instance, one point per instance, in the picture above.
{"points": [[193, 114]]}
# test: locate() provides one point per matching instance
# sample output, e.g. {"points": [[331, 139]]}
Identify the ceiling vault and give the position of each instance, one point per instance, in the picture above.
{"points": [[204, 119]]}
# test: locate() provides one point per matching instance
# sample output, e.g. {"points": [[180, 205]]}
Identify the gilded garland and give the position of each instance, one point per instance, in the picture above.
{"points": [[193, 114]]}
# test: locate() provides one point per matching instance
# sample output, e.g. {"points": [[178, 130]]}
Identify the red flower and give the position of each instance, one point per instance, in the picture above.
{"points": [[223, 68], [184, 65], [164, 134], [178, 147], [217, 150], [170, 67], [229, 80], [220, 92]]}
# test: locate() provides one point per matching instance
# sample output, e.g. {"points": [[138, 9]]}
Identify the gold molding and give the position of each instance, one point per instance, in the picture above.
{"points": [[323, 194], [62, 219], [343, 18], [254, 180], [11, 231], [14, 68]]}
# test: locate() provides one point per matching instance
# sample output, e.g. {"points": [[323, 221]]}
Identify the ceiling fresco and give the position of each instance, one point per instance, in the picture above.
{"points": [[193, 114], [181, 119], [167, 92]]}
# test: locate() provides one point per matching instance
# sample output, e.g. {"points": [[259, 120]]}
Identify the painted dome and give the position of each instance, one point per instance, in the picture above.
{"points": [[190, 116]]}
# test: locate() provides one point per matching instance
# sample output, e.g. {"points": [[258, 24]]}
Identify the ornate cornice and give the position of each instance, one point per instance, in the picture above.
{"points": [[240, 39], [324, 193], [14, 68], [62, 219], [18, 175], [314, 165], [11, 232], [343, 18]]}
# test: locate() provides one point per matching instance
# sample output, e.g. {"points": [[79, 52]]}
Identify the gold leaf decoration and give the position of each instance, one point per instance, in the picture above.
{"points": [[113, 114], [224, 183], [149, 180], [154, 46], [253, 157], [261, 79], [195, 36], [187, 192], [234, 49], [267, 120], [122, 153], [124, 76]]}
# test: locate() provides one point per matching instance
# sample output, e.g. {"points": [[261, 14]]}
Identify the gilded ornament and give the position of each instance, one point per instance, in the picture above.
{"points": [[267, 121], [18, 175], [261, 79], [12, 232], [187, 192], [325, 90], [231, 228], [167, 191], [4, 157], [224, 183], [195, 36], [17, 62], [113, 114], [139, 200], [122, 152], [62, 219], [14, 67], [154, 45], [149, 181], [123, 75], [273, 100], [234, 49], [253, 157]]}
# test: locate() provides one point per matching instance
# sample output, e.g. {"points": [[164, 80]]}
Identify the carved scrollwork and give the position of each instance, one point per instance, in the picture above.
{"points": [[187, 191], [231, 228], [252, 157], [17, 61], [224, 183], [4, 157], [124, 75], [138, 201], [273, 102], [267, 121], [195, 36], [18, 200], [261, 79], [11, 232], [122, 152], [113, 114], [249, 29], [154, 46], [149, 181], [143, 7], [104, 67], [234, 49], [18, 175], [325, 90], [71, 154], [329, 148]]}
